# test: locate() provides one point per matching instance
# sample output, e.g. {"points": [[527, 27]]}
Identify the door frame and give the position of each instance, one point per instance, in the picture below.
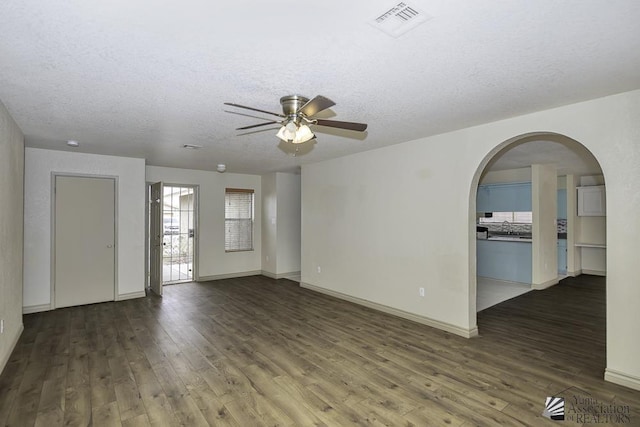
{"points": [[196, 223], [147, 236], [54, 175], [156, 248]]}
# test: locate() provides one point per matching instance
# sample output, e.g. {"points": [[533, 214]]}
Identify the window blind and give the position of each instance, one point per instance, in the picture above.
{"points": [[238, 214]]}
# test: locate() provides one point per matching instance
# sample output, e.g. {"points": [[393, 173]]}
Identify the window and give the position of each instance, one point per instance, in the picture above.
{"points": [[514, 217], [238, 220]]}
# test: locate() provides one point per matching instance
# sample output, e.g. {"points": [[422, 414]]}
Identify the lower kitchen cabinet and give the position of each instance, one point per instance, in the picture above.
{"points": [[562, 256], [503, 260]]}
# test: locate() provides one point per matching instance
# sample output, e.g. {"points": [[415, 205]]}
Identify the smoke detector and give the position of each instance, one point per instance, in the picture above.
{"points": [[72, 143], [221, 167]]}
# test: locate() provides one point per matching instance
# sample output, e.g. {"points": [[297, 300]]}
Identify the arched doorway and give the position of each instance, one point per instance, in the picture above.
{"points": [[582, 237]]}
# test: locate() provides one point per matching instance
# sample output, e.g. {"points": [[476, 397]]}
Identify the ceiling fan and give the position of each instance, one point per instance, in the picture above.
{"points": [[297, 116]]}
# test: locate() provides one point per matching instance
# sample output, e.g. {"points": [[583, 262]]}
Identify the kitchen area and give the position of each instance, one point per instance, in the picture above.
{"points": [[504, 232], [534, 228]]}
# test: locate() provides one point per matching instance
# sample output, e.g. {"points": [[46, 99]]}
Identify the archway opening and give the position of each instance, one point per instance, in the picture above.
{"points": [[530, 231]]}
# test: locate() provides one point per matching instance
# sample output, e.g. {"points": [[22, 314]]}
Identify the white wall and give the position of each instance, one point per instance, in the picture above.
{"points": [[505, 176], [289, 227], [213, 261], [562, 183], [39, 166], [380, 233], [281, 224], [573, 254], [11, 232], [269, 225], [544, 194]]}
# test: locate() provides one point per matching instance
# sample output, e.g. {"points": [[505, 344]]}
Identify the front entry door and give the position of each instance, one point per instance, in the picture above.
{"points": [[156, 237], [179, 229], [84, 268]]}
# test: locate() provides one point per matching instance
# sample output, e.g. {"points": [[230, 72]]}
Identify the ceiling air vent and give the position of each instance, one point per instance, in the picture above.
{"points": [[399, 19]]}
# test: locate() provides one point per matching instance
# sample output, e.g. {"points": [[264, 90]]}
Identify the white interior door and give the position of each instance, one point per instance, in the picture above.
{"points": [[84, 269], [156, 233]]}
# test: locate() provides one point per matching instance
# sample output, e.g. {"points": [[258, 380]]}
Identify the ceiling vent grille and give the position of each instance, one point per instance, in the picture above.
{"points": [[399, 19]]}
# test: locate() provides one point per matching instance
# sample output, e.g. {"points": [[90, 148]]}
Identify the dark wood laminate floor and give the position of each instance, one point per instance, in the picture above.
{"points": [[255, 351]]}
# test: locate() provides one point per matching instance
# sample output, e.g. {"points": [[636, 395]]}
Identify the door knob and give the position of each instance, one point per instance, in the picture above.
{"points": [[109, 246]]}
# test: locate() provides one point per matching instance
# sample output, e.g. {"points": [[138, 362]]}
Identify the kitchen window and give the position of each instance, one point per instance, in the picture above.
{"points": [[238, 220], [512, 217]]}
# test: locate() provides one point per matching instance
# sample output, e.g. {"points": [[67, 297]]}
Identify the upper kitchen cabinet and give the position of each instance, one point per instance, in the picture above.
{"points": [[514, 197], [562, 203], [592, 201], [483, 203]]}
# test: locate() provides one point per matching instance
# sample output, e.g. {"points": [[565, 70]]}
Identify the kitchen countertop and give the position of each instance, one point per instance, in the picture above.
{"points": [[524, 238], [521, 239]]}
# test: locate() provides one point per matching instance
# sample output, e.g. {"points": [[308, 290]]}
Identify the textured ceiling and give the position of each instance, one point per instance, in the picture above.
{"points": [[142, 78], [568, 157]]}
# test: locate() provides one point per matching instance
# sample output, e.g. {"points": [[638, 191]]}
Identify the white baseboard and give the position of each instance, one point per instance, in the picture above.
{"points": [[269, 274], [46, 307], [131, 295], [594, 272], [36, 308], [492, 280], [622, 379], [281, 275], [12, 346], [574, 273], [229, 275], [466, 333], [545, 285]]}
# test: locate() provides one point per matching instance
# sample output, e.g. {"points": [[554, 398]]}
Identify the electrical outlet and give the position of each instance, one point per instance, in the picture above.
{"points": [[319, 269], [421, 291], [267, 258]]}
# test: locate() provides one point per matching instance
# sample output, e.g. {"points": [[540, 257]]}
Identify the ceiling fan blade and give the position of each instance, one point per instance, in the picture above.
{"points": [[360, 127], [245, 115], [255, 126], [253, 109], [316, 105]]}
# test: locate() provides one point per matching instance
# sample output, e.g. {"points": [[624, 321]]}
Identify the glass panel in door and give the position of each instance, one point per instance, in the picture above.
{"points": [[179, 233]]}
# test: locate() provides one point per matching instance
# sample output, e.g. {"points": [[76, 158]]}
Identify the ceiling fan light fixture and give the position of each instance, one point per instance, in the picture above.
{"points": [[281, 134], [297, 114], [295, 134], [290, 130], [303, 134]]}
